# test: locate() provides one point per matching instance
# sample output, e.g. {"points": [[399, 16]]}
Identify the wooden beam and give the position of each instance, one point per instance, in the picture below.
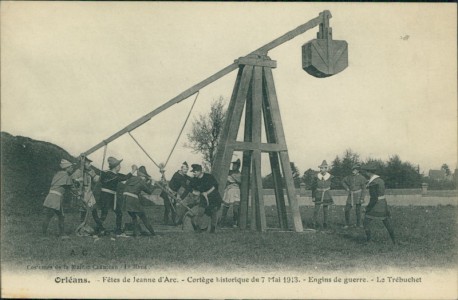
{"points": [[278, 188], [259, 195], [256, 62], [293, 33], [195, 88], [241, 146], [189, 92], [246, 164], [245, 189], [226, 126], [291, 192], [254, 196], [256, 137], [284, 157], [232, 123], [274, 162]]}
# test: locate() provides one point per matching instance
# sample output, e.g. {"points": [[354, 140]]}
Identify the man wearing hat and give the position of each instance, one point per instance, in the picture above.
{"points": [[207, 185], [355, 185], [53, 202], [132, 189], [321, 195], [179, 187], [377, 209], [108, 195], [232, 193]]}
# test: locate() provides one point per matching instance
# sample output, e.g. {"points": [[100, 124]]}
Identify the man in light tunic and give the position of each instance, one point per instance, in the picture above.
{"points": [[53, 202]]}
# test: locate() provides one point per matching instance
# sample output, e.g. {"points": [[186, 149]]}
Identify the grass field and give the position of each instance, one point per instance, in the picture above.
{"points": [[427, 235]]}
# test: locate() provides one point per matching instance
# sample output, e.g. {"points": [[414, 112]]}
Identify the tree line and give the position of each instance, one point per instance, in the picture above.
{"points": [[398, 174]]}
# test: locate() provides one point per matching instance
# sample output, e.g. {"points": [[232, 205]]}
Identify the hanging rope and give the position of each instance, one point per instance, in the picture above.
{"points": [[138, 144], [162, 187], [182, 128], [165, 187]]}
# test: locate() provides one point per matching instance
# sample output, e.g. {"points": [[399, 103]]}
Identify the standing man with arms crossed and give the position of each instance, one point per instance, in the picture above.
{"points": [[355, 185]]}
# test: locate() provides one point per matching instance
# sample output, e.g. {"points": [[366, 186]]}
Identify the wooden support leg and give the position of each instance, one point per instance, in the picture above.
{"points": [[231, 127], [274, 162], [278, 187], [246, 164], [256, 138], [258, 192], [253, 197], [245, 189], [271, 98]]}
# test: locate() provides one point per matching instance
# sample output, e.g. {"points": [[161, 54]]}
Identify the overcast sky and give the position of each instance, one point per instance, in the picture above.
{"points": [[74, 73]]}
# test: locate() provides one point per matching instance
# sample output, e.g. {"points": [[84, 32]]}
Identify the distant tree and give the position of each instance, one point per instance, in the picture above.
{"points": [[268, 180], [342, 167], [206, 130], [349, 159], [307, 178], [398, 174], [296, 175], [446, 169]]}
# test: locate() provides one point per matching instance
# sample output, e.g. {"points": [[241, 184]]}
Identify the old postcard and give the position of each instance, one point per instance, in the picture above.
{"points": [[229, 150]]}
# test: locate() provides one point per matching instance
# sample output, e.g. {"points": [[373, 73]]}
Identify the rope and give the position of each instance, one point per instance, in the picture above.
{"points": [[182, 128], [163, 188], [138, 144]]}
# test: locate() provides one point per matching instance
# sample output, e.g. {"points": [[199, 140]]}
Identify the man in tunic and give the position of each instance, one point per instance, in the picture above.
{"points": [[207, 185], [232, 193], [86, 179], [108, 195], [377, 208], [189, 212], [179, 188], [321, 195], [53, 202], [132, 192], [355, 185]]}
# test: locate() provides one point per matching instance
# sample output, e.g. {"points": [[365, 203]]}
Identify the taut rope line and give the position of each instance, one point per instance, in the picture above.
{"points": [[182, 128]]}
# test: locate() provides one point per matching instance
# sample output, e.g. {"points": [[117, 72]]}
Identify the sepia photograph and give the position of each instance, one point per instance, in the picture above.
{"points": [[228, 150]]}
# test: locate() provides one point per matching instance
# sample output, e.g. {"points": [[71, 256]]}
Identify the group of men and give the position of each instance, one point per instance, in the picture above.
{"points": [[190, 200], [362, 179]]}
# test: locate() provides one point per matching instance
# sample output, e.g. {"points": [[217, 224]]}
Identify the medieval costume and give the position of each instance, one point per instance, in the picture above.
{"points": [[231, 197], [321, 194], [179, 188], [53, 203], [109, 200], [377, 208], [132, 190], [355, 185], [207, 185]]}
